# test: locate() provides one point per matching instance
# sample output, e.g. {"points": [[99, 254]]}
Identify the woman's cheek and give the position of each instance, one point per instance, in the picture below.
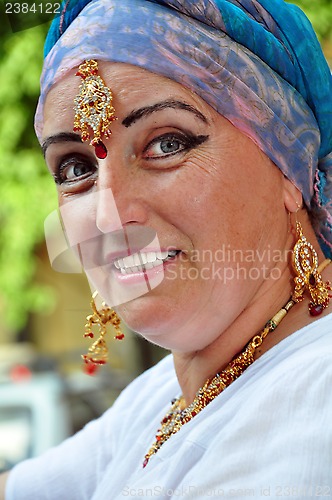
{"points": [[78, 218]]}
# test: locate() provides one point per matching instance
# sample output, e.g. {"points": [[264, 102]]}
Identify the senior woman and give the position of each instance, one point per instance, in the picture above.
{"points": [[210, 124]]}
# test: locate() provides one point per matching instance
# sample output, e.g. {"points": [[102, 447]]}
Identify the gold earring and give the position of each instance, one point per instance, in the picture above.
{"points": [[98, 353], [308, 275]]}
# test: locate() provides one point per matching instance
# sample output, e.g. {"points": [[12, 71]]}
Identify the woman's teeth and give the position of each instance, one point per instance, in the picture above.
{"points": [[139, 262]]}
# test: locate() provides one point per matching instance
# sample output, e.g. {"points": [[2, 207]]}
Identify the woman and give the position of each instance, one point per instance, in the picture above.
{"points": [[209, 124]]}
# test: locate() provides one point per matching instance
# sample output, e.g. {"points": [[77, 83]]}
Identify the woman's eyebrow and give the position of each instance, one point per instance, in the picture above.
{"points": [[128, 121], [159, 106], [61, 137]]}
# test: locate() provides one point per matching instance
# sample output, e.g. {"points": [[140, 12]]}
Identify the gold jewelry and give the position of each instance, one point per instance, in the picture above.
{"points": [[308, 277], [93, 107], [98, 353], [177, 416]]}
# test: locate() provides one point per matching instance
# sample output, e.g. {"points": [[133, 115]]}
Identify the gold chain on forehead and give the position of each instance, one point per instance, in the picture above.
{"points": [[93, 108]]}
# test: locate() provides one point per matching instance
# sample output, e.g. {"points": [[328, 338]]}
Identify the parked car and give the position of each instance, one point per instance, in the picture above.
{"points": [[34, 416]]}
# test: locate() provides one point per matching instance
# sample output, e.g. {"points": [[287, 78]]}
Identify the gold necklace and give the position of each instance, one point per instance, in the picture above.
{"points": [[177, 417]]}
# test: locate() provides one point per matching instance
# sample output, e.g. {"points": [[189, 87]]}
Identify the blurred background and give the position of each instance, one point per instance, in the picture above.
{"points": [[44, 394]]}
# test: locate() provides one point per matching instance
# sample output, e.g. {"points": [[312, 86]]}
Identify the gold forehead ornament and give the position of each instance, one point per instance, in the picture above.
{"points": [[93, 108]]}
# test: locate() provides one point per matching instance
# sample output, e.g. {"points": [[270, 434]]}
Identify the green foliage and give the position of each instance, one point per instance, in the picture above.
{"points": [[320, 14], [26, 190]]}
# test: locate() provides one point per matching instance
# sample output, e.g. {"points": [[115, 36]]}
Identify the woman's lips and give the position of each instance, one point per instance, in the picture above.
{"points": [[142, 266], [140, 262]]}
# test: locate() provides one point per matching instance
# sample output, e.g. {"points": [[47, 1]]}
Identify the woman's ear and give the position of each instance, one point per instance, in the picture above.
{"points": [[292, 196]]}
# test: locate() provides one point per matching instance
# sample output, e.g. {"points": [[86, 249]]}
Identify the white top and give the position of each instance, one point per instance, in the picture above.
{"points": [[269, 434]]}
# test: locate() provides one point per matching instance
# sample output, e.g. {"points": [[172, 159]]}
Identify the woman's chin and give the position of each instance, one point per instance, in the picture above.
{"points": [[157, 323], [144, 319], [168, 328]]}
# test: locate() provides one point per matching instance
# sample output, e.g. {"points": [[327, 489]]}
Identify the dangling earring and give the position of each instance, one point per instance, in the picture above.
{"points": [[98, 353], [308, 275]]}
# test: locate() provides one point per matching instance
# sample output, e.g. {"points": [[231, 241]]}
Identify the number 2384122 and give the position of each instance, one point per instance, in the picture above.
{"points": [[32, 8]]}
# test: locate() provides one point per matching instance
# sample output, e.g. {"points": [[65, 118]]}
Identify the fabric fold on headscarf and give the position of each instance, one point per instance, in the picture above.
{"points": [[258, 63]]}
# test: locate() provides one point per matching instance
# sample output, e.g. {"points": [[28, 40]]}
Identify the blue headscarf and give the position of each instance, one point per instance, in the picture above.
{"points": [[257, 62]]}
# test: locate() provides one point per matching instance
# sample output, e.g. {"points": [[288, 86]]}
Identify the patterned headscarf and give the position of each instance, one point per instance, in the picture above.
{"points": [[257, 62]]}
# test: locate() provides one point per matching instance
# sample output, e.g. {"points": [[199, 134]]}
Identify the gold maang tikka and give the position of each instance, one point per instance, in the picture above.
{"points": [[93, 108], [308, 277], [98, 352]]}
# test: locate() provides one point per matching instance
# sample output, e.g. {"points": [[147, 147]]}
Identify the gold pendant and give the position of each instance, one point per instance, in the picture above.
{"points": [[93, 107], [305, 265]]}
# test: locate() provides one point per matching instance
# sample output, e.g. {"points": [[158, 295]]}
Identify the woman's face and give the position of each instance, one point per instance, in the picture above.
{"points": [[175, 166]]}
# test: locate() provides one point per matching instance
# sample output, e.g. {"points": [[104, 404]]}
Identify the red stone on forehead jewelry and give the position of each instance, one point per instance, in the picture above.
{"points": [[100, 150]]}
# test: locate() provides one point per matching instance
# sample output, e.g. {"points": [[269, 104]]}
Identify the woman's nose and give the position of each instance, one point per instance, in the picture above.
{"points": [[107, 214], [118, 203]]}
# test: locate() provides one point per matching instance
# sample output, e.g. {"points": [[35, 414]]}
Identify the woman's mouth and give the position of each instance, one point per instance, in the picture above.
{"points": [[140, 262]]}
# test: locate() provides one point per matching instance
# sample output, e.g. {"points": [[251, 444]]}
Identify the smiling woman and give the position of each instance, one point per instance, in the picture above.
{"points": [[162, 151], [191, 148]]}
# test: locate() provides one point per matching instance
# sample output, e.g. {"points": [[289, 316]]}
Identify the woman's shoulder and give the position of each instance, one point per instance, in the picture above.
{"points": [[279, 408], [301, 361], [310, 345], [95, 445], [276, 383]]}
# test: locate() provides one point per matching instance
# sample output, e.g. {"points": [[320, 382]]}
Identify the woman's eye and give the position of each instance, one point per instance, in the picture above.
{"points": [[73, 172], [74, 169], [166, 146], [171, 144]]}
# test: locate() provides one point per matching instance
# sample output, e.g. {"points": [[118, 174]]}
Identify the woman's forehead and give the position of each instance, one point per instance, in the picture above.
{"points": [[132, 87]]}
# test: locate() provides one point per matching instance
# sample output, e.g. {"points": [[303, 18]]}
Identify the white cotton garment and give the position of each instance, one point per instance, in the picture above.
{"points": [[268, 435]]}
